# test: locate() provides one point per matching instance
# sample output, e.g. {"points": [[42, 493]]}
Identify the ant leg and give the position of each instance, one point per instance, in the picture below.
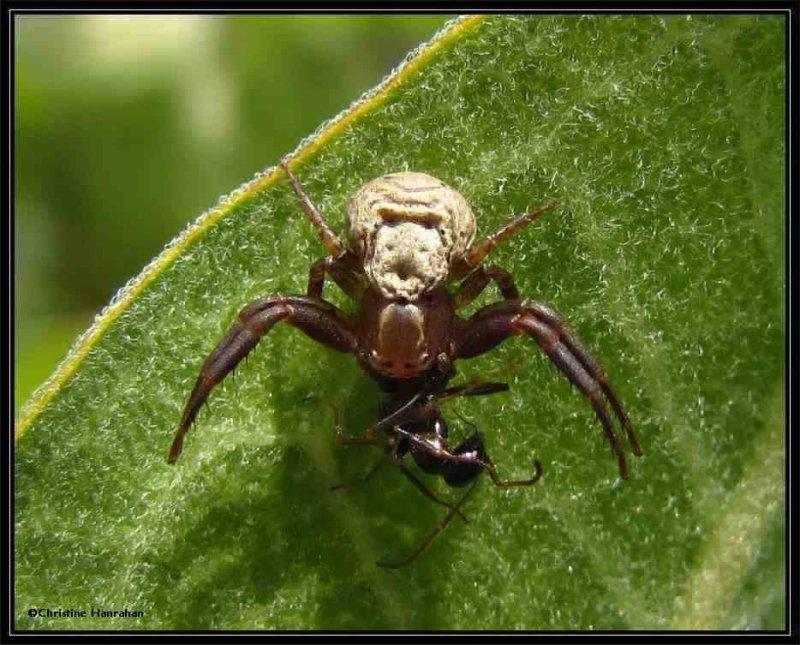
{"points": [[422, 488], [474, 284], [362, 479], [509, 483], [471, 389], [411, 410], [440, 526], [474, 444], [370, 438]]}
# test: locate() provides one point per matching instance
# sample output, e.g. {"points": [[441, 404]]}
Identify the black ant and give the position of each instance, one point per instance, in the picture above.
{"points": [[412, 423]]}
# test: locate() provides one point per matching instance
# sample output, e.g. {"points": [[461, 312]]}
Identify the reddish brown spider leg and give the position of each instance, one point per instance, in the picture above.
{"points": [[316, 277], [493, 324], [475, 254], [344, 271], [556, 321], [326, 234], [474, 284], [316, 318]]}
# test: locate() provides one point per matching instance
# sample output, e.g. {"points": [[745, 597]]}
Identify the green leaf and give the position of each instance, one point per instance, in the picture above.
{"points": [[663, 137]]}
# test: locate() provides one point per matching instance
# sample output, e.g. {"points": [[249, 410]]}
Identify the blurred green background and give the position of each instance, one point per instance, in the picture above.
{"points": [[127, 127]]}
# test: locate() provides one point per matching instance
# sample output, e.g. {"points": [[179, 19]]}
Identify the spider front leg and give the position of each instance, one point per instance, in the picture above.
{"points": [[472, 259], [316, 318], [493, 324], [326, 233]]}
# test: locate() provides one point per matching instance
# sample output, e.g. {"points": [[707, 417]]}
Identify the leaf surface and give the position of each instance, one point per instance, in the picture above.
{"points": [[663, 137]]}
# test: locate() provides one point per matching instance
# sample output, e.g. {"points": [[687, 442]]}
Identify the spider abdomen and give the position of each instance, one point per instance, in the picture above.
{"points": [[408, 228]]}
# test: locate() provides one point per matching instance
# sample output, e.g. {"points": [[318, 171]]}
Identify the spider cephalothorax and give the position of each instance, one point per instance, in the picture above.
{"points": [[409, 236]]}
